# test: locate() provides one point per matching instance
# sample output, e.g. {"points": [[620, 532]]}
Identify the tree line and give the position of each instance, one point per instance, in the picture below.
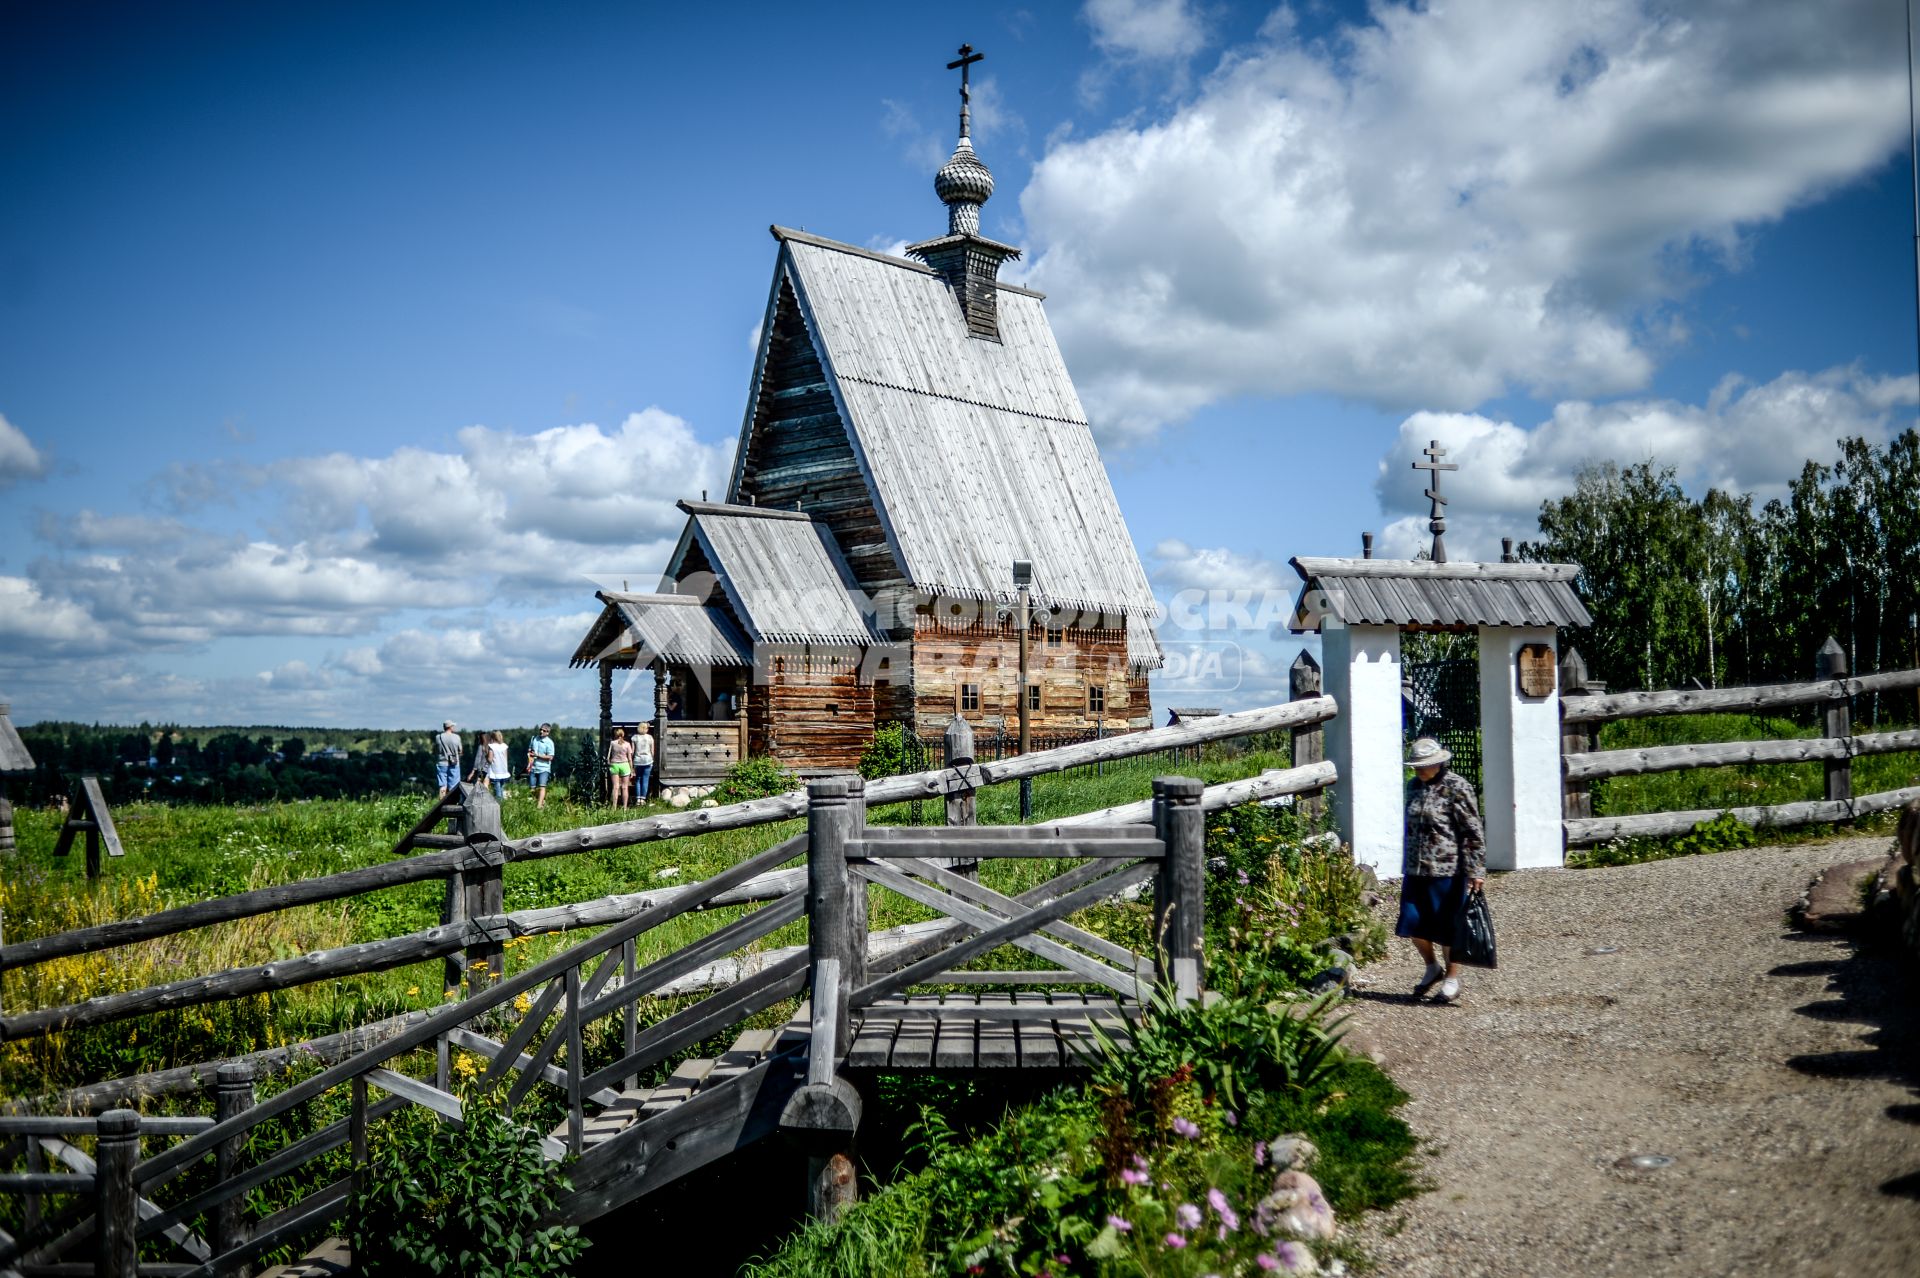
{"points": [[1718, 590], [249, 765]]}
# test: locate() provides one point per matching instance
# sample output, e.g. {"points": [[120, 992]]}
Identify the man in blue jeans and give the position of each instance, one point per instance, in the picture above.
{"points": [[540, 764], [446, 766]]}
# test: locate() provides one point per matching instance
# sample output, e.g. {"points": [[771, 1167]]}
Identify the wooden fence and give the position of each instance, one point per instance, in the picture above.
{"points": [[1583, 711], [532, 1031], [471, 863]]}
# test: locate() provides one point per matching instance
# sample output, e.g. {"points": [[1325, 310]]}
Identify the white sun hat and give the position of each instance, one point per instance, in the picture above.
{"points": [[1426, 753]]}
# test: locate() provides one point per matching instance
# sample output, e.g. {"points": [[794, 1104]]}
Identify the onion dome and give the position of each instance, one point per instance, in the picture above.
{"points": [[963, 184]]}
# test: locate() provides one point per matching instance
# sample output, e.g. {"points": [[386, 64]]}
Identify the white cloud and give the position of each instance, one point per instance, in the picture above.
{"points": [[19, 459], [1146, 30], [1746, 438], [31, 621], [1447, 202]]}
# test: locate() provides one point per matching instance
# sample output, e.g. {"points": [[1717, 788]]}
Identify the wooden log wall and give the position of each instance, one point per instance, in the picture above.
{"points": [[985, 652], [819, 712]]}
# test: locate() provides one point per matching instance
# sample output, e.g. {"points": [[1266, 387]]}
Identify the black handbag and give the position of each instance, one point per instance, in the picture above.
{"points": [[1473, 942]]}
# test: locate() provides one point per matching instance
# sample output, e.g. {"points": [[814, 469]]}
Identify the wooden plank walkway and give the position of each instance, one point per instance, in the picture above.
{"points": [[1047, 1031]]}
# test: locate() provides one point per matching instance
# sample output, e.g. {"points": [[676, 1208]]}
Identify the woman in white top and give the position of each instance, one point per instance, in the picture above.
{"points": [[497, 773]]}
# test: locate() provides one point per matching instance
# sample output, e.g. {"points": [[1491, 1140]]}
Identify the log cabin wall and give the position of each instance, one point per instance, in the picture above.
{"points": [[986, 654], [799, 457], [813, 712]]}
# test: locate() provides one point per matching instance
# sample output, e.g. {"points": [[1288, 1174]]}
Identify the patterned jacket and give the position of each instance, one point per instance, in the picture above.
{"points": [[1443, 828]]}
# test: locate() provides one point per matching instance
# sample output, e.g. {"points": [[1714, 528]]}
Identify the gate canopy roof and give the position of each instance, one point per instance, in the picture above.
{"points": [[636, 630], [1419, 592]]}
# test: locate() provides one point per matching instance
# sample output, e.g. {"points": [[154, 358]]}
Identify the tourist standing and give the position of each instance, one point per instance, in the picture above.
{"points": [[1446, 857], [642, 762], [540, 764], [446, 765], [620, 766], [497, 773]]}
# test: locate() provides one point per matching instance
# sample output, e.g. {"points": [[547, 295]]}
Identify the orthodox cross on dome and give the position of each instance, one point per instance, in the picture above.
{"points": [[966, 60], [1437, 520]]}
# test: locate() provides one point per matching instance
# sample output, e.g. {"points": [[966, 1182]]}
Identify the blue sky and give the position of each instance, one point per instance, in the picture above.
{"points": [[344, 349]]}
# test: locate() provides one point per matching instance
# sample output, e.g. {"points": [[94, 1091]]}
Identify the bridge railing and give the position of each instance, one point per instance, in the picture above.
{"points": [[477, 927], [1582, 713], [589, 982]]}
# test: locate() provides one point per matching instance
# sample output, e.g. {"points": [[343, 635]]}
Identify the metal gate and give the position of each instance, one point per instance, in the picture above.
{"points": [[1441, 699]]}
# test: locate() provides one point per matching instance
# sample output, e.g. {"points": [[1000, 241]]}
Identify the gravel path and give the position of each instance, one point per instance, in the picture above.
{"points": [[1779, 1071]]}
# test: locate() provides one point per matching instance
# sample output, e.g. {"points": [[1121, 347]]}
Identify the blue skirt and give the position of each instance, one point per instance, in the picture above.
{"points": [[1429, 906]]}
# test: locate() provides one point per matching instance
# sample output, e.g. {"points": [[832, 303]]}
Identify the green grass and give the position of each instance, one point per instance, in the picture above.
{"points": [[189, 854]]}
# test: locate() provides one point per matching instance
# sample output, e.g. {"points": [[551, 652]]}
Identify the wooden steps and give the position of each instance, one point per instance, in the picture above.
{"points": [[1047, 1031]]}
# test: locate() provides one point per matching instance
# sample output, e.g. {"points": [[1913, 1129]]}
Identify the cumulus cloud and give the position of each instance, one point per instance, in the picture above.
{"points": [[1746, 437], [31, 621], [1446, 202], [19, 459], [1146, 30]]}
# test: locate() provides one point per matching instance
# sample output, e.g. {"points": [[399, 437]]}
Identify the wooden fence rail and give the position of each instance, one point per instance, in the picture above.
{"points": [[1832, 689], [769, 885], [475, 929]]}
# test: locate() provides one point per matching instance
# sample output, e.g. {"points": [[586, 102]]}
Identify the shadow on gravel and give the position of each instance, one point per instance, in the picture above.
{"points": [[1870, 986]]}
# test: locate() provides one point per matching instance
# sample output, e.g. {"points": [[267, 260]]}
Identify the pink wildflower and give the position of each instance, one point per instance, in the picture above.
{"points": [[1187, 1216], [1266, 1262], [1185, 1127], [1132, 1177], [1217, 1200], [1175, 1241], [1121, 1225], [1260, 1153]]}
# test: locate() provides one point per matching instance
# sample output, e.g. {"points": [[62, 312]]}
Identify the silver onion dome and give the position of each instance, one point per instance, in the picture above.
{"points": [[963, 184]]}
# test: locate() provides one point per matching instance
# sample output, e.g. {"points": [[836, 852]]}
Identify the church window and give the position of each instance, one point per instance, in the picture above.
{"points": [[1096, 699], [969, 696], [1033, 696]]}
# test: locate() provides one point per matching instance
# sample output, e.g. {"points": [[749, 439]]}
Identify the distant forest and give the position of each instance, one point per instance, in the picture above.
{"points": [[1720, 591], [253, 764]]}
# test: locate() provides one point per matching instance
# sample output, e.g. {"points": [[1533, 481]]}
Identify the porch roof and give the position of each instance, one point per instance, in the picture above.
{"points": [[637, 630]]}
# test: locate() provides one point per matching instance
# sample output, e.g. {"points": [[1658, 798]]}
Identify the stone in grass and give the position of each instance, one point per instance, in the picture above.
{"points": [[1338, 974], [1296, 1207], [1292, 1152]]}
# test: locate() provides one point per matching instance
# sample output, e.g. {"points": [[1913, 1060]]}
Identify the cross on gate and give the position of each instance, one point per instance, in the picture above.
{"points": [[1436, 521]]}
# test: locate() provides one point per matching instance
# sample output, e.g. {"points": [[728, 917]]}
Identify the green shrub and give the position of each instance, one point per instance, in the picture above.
{"points": [[890, 753], [462, 1200], [755, 778], [1228, 1046]]}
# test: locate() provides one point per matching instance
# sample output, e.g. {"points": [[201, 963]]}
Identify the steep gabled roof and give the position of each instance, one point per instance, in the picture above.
{"points": [[977, 452], [635, 629], [780, 570], [14, 756]]}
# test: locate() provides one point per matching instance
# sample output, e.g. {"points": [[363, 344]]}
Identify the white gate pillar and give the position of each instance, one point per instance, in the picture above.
{"points": [[1519, 755], [1363, 740]]}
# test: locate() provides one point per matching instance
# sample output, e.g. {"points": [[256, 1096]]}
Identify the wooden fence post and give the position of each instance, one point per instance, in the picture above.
{"points": [[961, 809], [1831, 663], [1179, 901], [485, 890], [1309, 743], [1576, 797], [118, 1254], [854, 973], [357, 1144], [829, 933], [228, 1225]]}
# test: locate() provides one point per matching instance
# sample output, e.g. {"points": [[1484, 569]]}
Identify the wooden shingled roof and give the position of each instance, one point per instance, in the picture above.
{"points": [[977, 452], [635, 629], [1418, 592], [780, 570], [14, 755]]}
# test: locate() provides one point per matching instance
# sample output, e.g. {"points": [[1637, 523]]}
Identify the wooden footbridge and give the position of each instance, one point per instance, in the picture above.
{"points": [[630, 1104]]}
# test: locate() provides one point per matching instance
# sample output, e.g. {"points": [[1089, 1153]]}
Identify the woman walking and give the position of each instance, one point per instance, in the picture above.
{"points": [[497, 773], [620, 767], [1446, 857]]}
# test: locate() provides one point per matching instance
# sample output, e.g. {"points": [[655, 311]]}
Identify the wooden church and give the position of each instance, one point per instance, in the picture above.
{"points": [[911, 432]]}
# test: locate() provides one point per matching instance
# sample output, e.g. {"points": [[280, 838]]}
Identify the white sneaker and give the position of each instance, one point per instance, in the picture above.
{"points": [[1449, 989]]}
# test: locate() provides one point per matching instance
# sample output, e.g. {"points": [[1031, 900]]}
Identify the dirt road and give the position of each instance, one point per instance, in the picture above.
{"points": [[1779, 1072]]}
